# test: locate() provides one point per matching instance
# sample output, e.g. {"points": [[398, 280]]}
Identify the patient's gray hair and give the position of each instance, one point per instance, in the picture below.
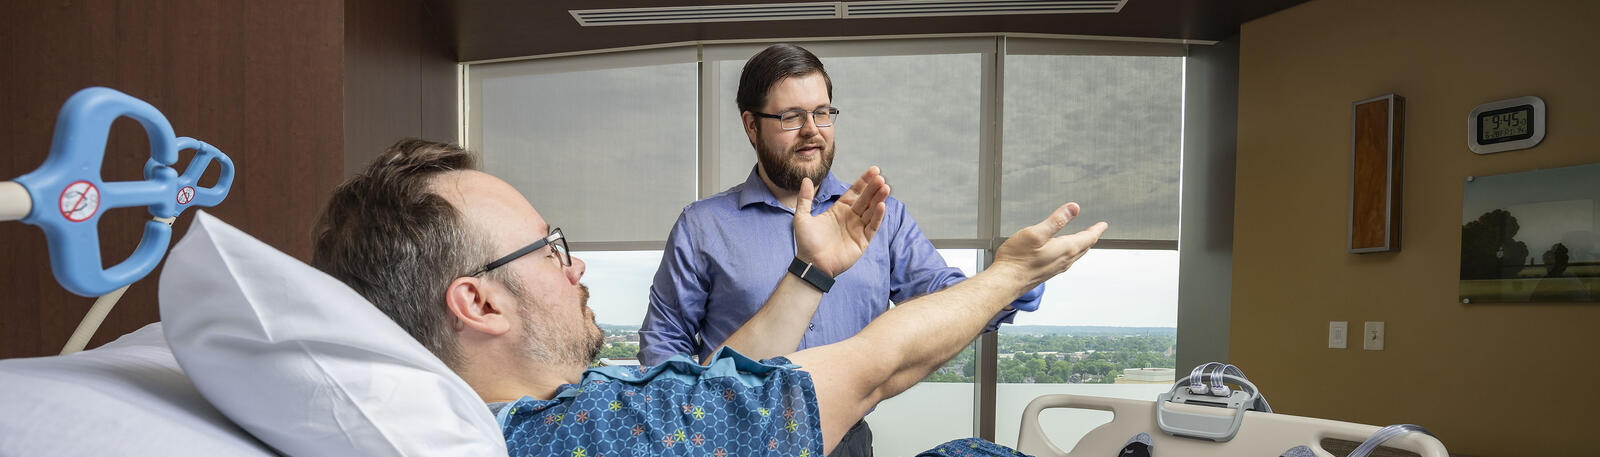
{"points": [[387, 235]]}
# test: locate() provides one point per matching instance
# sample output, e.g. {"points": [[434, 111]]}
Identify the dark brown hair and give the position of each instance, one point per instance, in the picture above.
{"points": [[771, 65], [387, 235]]}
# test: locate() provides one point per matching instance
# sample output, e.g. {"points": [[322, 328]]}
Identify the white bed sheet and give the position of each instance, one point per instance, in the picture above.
{"points": [[128, 397]]}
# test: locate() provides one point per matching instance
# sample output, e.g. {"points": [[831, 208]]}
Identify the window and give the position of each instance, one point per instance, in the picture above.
{"points": [[1116, 309], [978, 136], [914, 116], [604, 148], [1104, 131], [619, 294], [939, 408]]}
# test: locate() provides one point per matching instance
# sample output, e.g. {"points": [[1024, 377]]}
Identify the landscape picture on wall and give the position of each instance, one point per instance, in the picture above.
{"points": [[1531, 237]]}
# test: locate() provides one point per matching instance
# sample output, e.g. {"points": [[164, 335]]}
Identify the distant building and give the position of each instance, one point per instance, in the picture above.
{"points": [[1007, 356], [620, 362], [1145, 376]]}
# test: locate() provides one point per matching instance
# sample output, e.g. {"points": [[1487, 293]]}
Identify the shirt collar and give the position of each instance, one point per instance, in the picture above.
{"points": [[755, 191]]}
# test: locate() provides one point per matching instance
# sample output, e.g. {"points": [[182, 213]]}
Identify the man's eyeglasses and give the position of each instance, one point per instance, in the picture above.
{"points": [[795, 118], [555, 240]]}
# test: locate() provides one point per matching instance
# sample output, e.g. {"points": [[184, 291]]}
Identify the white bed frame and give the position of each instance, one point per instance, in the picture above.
{"points": [[1261, 434]]}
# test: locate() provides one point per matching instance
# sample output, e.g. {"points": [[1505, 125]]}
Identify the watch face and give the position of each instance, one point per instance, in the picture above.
{"points": [[1505, 124]]}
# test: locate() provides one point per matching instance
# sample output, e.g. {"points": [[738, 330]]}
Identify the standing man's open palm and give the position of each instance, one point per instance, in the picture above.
{"points": [[835, 239]]}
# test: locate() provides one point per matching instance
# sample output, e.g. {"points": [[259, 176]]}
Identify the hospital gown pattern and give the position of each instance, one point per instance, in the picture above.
{"points": [[733, 407], [971, 447]]}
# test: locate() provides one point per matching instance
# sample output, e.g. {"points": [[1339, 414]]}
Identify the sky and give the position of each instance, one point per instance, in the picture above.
{"points": [[1120, 288], [611, 155]]}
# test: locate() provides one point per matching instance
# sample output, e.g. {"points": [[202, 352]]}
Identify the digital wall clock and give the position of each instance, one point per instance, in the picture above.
{"points": [[1506, 125]]}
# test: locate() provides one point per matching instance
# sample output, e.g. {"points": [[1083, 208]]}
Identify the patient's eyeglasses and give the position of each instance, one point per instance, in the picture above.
{"points": [[795, 118], [555, 240]]}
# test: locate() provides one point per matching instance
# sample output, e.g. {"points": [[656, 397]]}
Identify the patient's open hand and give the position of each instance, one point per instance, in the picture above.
{"points": [[1035, 254], [835, 239]]}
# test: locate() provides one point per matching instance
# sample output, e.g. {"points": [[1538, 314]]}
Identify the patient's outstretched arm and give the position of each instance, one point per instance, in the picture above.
{"points": [[908, 342]]}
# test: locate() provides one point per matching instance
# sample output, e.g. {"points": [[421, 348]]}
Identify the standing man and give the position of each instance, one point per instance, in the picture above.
{"points": [[717, 268]]}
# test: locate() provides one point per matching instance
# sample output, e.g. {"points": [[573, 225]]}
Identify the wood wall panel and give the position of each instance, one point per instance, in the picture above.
{"points": [[1375, 181], [260, 80], [400, 77]]}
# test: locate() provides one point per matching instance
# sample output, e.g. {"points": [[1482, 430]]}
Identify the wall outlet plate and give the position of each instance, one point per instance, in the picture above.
{"points": [[1338, 334]]}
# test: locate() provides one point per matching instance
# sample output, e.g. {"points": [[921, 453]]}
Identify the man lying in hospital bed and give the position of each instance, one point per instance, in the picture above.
{"points": [[310, 367], [307, 366], [418, 234]]}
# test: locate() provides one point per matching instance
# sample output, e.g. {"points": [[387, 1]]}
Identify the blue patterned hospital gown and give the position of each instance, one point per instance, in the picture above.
{"points": [[733, 407]]}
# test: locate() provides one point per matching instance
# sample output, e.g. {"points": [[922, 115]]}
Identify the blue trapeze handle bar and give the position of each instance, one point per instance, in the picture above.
{"points": [[189, 193], [68, 195]]}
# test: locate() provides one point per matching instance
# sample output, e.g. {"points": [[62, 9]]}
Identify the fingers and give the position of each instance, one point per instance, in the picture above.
{"points": [[1084, 238], [873, 219], [1074, 246], [1055, 255], [876, 192], [1058, 219], [871, 208], [862, 184], [876, 220], [802, 200]]}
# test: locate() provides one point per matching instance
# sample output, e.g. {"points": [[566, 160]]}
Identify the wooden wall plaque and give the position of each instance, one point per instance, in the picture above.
{"points": [[1376, 135]]}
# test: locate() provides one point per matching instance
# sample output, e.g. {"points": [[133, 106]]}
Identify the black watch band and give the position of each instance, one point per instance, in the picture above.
{"points": [[811, 274]]}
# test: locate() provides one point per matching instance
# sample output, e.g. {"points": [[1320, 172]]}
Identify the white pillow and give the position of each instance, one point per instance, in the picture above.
{"points": [[127, 397], [305, 363]]}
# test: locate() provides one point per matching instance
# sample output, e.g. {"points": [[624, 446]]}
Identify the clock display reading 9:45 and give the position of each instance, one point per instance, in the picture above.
{"points": [[1505, 124]]}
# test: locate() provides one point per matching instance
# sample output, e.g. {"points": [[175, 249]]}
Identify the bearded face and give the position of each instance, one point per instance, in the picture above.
{"points": [[788, 156], [553, 342], [787, 164]]}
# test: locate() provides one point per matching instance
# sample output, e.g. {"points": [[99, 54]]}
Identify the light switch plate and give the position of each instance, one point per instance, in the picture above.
{"points": [[1372, 338], [1338, 334]]}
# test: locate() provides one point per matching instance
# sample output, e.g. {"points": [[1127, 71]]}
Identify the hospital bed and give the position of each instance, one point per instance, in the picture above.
{"points": [[133, 396], [1260, 433], [1215, 410]]}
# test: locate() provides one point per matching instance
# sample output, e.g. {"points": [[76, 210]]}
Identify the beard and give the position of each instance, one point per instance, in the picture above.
{"points": [[551, 343], [787, 175], [596, 338]]}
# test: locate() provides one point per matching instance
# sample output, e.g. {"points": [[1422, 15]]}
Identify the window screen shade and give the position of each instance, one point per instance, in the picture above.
{"points": [[607, 154], [1104, 131], [609, 151], [916, 117]]}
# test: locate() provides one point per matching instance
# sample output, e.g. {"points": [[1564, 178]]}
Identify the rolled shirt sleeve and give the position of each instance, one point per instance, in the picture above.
{"points": [[677, 301]]}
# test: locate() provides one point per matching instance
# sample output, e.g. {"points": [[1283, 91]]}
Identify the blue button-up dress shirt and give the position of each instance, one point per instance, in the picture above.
{"points": [[726, 254]]}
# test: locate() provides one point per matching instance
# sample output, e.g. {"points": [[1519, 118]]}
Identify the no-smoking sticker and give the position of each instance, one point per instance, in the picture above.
{"points": [[185, 195], [79, 201]]}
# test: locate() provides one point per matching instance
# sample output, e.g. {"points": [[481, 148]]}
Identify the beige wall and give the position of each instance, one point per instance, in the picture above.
{"points": [[1490, 380]]}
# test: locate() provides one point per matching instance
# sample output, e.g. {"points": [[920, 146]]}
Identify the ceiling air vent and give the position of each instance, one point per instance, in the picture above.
{"points": [[715, 13], [918, 8]]}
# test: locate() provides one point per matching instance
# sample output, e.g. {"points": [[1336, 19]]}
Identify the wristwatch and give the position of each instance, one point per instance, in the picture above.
{"points": [[811, 274]]}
